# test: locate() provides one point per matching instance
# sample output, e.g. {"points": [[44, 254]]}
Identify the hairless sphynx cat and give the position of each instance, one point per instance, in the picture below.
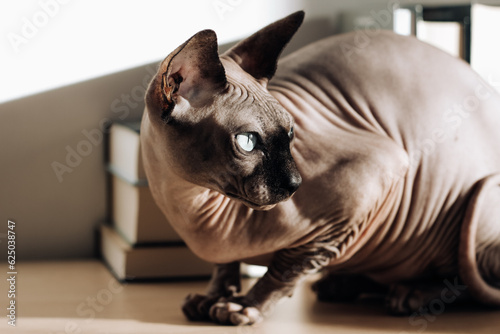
{"points": [[391, 153]]}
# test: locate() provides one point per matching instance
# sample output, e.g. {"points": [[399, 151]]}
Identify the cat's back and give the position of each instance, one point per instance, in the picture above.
{"points": [[348, 90]]}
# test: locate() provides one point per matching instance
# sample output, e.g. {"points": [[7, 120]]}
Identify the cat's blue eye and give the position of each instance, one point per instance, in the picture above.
{"points": [[247, 141], [290, 133]]}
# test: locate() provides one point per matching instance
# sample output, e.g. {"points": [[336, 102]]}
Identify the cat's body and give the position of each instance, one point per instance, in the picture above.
{"points": [[390, 142], [441, 117]]}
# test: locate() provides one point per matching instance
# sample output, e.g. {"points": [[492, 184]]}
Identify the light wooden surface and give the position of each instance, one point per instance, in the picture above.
{"points": [[82, 297]]}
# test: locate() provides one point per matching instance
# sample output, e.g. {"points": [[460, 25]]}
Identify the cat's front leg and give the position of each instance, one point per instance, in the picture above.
{"points": [[225, 283], [287, 269]]}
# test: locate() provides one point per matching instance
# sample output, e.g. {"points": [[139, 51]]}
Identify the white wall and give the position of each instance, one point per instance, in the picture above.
{"points": [[64, 41]]}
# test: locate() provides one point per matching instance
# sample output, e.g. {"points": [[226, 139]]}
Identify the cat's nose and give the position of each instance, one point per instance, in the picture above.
{"points": [[293, 183]]}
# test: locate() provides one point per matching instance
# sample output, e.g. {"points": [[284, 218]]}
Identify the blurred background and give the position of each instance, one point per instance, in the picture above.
{"points": [[68, 68]]}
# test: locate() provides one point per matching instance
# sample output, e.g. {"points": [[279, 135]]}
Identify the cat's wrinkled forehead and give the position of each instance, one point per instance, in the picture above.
{"points": [[270, 112], [251, 101], [253, 110]]}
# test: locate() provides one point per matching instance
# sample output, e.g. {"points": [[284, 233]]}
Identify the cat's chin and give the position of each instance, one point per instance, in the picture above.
{"points": [[250, 204], [259, 207], [255, 206]]}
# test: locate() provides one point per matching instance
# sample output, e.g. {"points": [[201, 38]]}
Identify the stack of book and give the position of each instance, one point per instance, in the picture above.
{"points": [[140, 243], [446, 27], [466, 31]]}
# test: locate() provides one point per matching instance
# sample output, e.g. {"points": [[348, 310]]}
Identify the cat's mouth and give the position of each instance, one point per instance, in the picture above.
{"points": [[250, 204]]}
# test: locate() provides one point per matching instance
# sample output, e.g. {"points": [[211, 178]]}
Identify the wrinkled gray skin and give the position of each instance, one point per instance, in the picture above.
{"points": [[395, 152]]}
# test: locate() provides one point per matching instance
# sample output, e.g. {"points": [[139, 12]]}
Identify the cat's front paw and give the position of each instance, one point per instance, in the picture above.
{"points": [[196, 307], [235, 311]]}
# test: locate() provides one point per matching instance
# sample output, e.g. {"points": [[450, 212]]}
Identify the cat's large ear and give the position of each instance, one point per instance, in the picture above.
{"points": [[192, 72], [258, 54]]}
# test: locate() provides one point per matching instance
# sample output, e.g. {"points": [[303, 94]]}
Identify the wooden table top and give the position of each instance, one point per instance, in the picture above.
{"points": [[83, 297]]}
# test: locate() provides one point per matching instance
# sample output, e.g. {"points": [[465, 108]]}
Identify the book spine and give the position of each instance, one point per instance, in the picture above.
{"points": [[132, 181]]}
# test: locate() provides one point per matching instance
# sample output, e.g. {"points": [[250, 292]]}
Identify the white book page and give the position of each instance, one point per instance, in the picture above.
{"points": [[485, 44]]}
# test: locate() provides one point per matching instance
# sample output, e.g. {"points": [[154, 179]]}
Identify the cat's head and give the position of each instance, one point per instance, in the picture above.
{"points": [[217, 124]]}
